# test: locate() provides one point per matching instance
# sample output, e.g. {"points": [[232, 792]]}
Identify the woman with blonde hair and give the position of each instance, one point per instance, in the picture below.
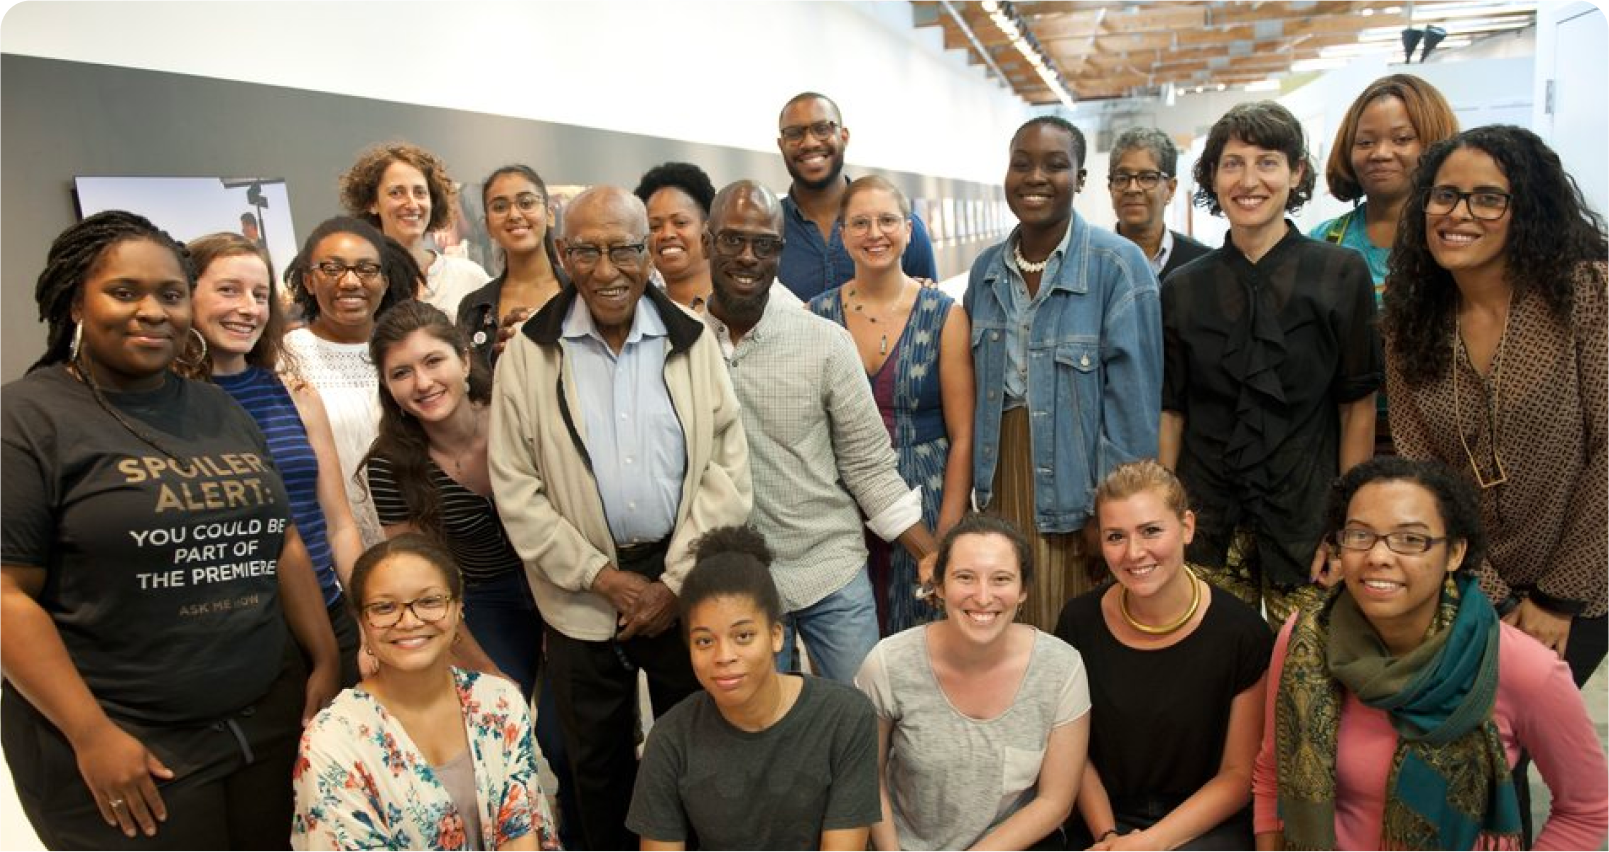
{"points": [[1164, 773]]}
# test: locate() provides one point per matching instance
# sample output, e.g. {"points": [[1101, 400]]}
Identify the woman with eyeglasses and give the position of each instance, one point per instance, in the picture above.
{"points": [[1495, 353], [915, 345], [678, 197], [1399, 702], [405, 191], [427, 473], [515, 200], [240, 320], [153, 694], [420, 755], [341, 284]]}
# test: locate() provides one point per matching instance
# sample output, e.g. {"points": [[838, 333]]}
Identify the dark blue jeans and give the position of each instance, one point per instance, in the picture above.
{"points": [[503, 618]]}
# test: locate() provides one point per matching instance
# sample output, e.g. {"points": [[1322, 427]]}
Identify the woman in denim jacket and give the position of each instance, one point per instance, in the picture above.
{"points": [[1067, 346]]}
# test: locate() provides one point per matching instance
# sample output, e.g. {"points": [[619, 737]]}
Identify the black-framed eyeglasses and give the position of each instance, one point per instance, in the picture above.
{"points": [[333, 270], [1405, 543], [1484, 204], [887, 223], [822, 130], [527, 202], [586, 257], [428, 609], [731, 243], [1119, 181]]}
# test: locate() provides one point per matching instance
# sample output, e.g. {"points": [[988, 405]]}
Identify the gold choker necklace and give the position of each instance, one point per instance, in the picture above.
{"points": [[1195, 604]]}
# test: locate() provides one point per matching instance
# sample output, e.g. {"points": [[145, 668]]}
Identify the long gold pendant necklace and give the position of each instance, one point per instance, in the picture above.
{"points": [[1494, 415]]}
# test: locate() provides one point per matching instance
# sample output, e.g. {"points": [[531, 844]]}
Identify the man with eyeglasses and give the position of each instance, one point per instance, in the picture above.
{"points": [[615, 442], [1142, 179], [820, 453], [812, 138]]}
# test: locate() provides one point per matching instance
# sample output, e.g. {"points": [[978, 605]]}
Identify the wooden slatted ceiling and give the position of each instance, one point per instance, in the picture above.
{"points": [[1112, 49]]}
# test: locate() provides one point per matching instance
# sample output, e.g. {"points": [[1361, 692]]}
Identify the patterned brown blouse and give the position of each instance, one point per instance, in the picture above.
{"points": [[1546, 523]]}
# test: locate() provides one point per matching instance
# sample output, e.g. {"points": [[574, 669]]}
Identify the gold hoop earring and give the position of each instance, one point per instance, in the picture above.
{"points": [[200, 358]]}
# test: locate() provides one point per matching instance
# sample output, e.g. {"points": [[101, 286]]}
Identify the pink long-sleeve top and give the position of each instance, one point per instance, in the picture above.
{"points": [[1538, 709]]}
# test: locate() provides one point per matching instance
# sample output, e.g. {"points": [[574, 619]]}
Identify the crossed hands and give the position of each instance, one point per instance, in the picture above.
{"points": [[646, 607]]}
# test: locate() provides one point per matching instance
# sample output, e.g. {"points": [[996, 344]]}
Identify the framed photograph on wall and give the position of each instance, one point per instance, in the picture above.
{"points": [[258, 208]]}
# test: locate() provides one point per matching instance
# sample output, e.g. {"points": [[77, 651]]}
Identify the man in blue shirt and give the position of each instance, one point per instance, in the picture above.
{"points": [[812, 139]]}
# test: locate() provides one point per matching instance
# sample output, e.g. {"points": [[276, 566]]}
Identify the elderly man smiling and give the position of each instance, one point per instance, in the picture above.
{"points": [[615, 443]]}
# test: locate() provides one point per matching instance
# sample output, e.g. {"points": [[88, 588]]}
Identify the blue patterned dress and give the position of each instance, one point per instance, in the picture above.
{"points": [[908, 395]]}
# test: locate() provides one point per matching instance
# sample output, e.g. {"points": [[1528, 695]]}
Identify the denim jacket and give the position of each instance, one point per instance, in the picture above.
{"points": [[1094, 370]]}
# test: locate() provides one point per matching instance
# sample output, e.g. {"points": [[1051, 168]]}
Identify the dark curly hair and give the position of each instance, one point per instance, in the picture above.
{"points": [[977, 523], [1551, 231], [731, 561], [1429, 113], [683, 176], [401, 439], [1455, 500], [360, 185], [1267, 125]]}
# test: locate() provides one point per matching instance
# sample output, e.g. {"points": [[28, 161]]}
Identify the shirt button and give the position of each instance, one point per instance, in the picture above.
{"points": [[1084, 361], [624, 416], [628, 459], [994, 335]]}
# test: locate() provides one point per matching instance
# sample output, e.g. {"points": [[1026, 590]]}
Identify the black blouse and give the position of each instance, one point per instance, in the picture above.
{"points": [[1258, 357]]}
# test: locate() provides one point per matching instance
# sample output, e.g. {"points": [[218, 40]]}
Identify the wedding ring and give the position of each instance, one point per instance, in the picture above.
{"points": [[115, 803]]}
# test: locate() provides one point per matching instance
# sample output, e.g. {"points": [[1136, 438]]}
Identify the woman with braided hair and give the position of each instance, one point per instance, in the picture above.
{"points": [[148, 572], [1400, 701]]}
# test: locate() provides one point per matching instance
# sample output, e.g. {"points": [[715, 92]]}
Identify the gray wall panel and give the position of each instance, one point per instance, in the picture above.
{"points": [[61, 119]]}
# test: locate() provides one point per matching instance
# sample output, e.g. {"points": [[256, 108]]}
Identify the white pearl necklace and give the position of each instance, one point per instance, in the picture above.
{"points": [[1022, 262]]}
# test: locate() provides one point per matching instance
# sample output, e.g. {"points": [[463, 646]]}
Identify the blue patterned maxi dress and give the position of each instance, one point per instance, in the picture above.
{"points": [[908, 395]]}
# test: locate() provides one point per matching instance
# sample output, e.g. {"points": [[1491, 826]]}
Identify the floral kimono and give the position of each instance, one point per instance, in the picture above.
{"points": [[361, 783]]}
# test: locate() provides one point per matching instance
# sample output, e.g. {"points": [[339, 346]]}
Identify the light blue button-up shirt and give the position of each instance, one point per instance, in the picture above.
{"points": [[633, 435], [1021, 319]]}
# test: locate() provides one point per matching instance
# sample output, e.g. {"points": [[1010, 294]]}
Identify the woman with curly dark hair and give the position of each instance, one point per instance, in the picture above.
{"points": [[1270, 365], [678, 197], [1496, 364], [405, 191]]}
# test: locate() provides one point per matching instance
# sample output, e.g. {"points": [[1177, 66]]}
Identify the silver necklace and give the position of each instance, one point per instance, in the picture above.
{"points": [[1022, 262]]}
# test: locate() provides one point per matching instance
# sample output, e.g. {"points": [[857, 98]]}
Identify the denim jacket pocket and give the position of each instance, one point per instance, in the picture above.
{"points": [[1078, 398]]}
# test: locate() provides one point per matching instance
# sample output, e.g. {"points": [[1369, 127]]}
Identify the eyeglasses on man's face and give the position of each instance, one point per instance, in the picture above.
{"points": [[731, 243], [1405, 543], [525, 202], [428, 609], [887, 223], [333, 270], [822, 130], [626, 256], [1483, 204], [1119, 181]]}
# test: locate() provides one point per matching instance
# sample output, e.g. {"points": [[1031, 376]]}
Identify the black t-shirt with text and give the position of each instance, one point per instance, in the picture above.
{"points": [[160, 571]]}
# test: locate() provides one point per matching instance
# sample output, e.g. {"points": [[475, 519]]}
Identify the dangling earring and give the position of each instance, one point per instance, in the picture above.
{"points": [[199, 359], [78, 339]]}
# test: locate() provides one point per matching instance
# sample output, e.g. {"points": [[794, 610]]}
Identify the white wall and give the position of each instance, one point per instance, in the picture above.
{"points": [[1573, 43], [702, 71]]}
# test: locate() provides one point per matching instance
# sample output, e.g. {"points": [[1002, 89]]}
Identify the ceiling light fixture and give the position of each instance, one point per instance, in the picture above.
{"points": [[1010, 24]]}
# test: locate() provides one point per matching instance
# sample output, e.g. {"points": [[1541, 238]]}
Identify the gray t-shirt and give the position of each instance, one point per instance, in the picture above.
{"points": [[953, 778], [815, 770]]}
